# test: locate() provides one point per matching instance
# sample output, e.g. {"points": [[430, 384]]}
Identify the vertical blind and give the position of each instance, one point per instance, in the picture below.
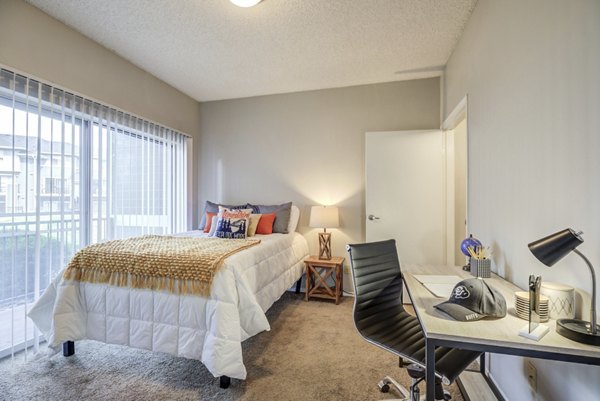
{"points": [[74, 172]]}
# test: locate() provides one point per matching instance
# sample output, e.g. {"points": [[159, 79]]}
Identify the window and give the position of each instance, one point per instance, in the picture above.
{"points": [[74, 172]]}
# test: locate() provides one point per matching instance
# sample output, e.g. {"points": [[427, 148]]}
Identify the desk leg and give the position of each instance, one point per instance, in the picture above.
{"points": [[429, 370], [482, 364]]}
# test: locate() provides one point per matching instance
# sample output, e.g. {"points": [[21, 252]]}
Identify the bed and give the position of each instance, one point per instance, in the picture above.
{"points": [[209, 329]]}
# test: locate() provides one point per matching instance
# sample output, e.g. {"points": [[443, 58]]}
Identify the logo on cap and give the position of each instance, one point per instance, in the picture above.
{"points": [[461, 292], [472, 316]]}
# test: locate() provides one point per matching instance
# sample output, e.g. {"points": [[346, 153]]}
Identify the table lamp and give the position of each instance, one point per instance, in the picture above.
{"points": [[326, 217], [550, 250]]}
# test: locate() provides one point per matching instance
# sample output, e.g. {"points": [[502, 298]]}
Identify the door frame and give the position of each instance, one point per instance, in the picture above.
{"points": [[458, 115]]}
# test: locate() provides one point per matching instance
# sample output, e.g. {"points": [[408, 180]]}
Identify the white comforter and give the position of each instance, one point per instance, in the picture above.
{"points": [[210, 330]]}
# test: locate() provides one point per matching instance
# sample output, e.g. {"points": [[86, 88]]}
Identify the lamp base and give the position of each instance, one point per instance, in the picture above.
{"points": [[325, 246], [578, 330], [539, 332]]}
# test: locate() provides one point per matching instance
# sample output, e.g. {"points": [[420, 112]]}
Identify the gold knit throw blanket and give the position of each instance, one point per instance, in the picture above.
{"points": [[181, 265]]}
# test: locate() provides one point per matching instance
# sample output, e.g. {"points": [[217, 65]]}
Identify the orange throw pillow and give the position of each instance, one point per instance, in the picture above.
{"points": [[209, 217], [265, 224]]}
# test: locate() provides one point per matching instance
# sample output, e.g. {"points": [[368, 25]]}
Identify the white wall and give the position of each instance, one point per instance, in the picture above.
{"points": [[307, 147], [35, 43], [530, 69]]}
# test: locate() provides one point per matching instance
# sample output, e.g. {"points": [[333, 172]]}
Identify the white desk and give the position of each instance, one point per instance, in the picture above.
{"points": [[495, 336]]}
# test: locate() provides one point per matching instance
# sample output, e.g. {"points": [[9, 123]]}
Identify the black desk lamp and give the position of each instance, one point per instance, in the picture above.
{"points": [[550, 250]]}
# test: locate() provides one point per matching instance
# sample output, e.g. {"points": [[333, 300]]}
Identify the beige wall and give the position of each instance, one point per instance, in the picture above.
{"points": [[307, 147], [35, 43], [530, 69]]}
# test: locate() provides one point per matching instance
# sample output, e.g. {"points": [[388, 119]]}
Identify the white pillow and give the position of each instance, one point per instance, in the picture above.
{"points": [[294, 217], [213, 226]]}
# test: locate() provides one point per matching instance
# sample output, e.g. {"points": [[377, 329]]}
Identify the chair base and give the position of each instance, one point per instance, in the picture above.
{"points": [[384, 387], [412, 395]]}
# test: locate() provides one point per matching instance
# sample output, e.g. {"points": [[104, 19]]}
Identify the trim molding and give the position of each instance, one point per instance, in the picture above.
{"points": [[457, 115]]}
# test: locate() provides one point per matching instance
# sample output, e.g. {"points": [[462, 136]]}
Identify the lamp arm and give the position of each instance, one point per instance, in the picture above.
{"points": [[593, 307]]}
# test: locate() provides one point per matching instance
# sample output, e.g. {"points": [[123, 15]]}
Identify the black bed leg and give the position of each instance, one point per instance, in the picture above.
{"points": [[298, 285], [225, 381], [68, 348]]}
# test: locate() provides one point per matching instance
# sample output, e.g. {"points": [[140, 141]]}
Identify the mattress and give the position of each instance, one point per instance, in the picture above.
{"points": [[207, 329]]}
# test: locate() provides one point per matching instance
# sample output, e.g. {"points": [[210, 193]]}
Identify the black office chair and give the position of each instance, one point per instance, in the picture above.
{"points": [[380, 318]]}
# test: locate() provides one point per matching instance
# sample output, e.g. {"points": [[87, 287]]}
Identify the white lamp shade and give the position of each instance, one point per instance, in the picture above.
{"points": [[324, 217]]}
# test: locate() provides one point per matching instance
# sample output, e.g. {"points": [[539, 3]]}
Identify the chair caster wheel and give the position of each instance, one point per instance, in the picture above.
{"points": [[383, 387], [447, 395]]}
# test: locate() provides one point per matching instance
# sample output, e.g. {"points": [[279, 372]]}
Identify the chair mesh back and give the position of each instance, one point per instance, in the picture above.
{"points": [[377, 279], [380, 317]]}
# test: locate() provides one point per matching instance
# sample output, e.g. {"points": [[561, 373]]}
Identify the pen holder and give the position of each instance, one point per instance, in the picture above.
{"points": [[481, 267]]}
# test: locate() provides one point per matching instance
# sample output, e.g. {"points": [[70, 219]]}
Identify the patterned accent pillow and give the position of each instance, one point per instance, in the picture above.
{"points": [[232, 223], [214, 208]]}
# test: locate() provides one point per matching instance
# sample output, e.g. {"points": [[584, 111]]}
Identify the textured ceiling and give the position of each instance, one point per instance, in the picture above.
{"points": [[211, 49]]}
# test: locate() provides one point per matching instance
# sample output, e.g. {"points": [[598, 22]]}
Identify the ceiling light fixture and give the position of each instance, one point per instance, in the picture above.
{"points": [[245, 3]]}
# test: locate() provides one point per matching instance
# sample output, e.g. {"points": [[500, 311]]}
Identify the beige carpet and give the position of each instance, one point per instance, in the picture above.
{"points": [[311, 353]]}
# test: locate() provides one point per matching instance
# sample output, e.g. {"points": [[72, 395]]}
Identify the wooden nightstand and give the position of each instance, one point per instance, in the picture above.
{"points": [[317, 273]]}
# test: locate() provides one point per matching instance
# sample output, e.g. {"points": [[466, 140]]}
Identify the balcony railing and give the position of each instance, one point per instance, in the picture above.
{"points": [[34, 248], [33, 252]]}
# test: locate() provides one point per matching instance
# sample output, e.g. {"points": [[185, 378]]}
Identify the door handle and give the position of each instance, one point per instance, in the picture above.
{"points": [[372, 217]]}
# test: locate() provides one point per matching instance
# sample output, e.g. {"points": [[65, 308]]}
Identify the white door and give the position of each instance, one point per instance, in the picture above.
{"points": [[406, 194]]}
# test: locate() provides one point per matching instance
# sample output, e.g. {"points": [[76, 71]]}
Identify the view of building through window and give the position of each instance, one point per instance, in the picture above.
{"points": [[40, 176], [72, 173]]}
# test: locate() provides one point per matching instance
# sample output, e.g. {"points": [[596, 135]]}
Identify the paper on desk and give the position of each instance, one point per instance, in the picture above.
{"points": [[437, 279], [440, 290], [439, 285]]}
